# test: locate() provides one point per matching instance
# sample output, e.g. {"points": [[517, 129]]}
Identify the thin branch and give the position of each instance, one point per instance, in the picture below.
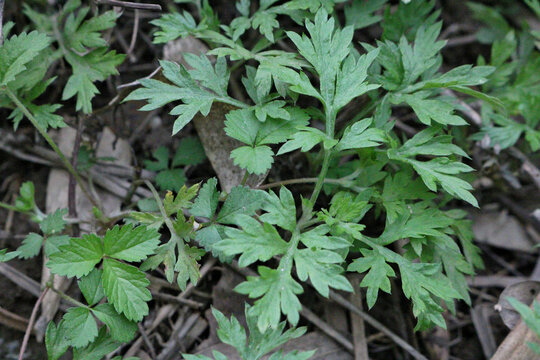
{"points": [[51, 142], [31, 323], [134, 37], [130, 5]]}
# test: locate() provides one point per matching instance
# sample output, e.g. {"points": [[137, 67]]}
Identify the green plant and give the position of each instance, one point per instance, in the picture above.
{"points": [[297, 100], [531, 317]]}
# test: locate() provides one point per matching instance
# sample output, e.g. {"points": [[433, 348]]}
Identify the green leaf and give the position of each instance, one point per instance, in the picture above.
{"points": [[256, 241], [241, 200], [361, 14], [91, 287], [325, 50], [440, 170], [187, 265], [120, 328], [172, 26], [359, 136], [242, 125], [215, 78], [56, 340], [256, 160], [172, 179], [81, 328], [161, 154], [190, 152], [419, 281], [17, 51], [185, 87], [272, 109], [31, 246], [322, 269], [278, 290], [209, 236], [205, 204], [350, 81], [306, 139], [78, 257], [79, 34], [231, 332], [130, 244], [103, 345], [280, 211], [436, 110], [182, 200], [53, 223], [25, 201], [125, 287], [377, 277], [96, 65], [53, 244]]}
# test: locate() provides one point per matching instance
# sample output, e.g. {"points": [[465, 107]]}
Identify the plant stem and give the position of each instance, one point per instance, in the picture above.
{"points": [[66, 296], [8, 207], [330, 125], [51, 142], [245, 178]]}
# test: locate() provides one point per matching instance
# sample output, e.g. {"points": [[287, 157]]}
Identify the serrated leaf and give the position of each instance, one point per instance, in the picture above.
{"points": [[31, 246], [187, 265], [103, 345], [231, 332], [326, 50], [194, 97], [79, 34], [91, 287], [242, 125], [436, 110], [78, 257], [182, 200], [256, 160], [125, 287], [120, 328], [205, 204], [280, 211], [130, 244], [209, 236], [53, 244], [359, 136], [172, 26], [320, 266], [53, 223], [241, 200], [256, 241], [171, 179], [56, 340], [361, 14], [190, 152], [279, 294], [96, 65], [161, 154], [17, 51], [81, 328], [377, 277]]}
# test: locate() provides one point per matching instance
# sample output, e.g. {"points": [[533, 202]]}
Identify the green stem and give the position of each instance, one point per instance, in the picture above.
{"points": [[245, 178], [51, 142], [8, 207], [66, 296], [231, 101], [330, 126]]}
